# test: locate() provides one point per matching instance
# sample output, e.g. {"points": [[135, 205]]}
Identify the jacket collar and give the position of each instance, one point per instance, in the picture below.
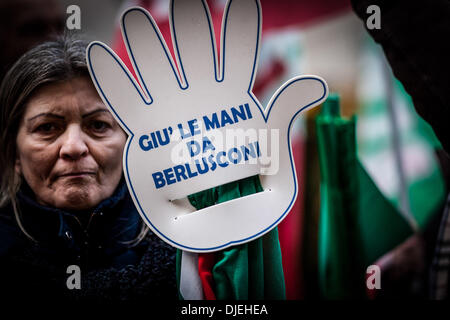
{"points": [[114, 221]]}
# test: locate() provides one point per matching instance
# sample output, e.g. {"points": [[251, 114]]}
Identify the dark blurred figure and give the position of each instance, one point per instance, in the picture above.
{"points": [[24, 24], [413, 36]]}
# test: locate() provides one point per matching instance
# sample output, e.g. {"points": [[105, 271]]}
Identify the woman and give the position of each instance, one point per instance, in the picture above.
{"points": [[68, 227]]}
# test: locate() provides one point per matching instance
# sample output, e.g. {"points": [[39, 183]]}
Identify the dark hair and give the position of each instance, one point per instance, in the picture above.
{"points": [[50, 62]]}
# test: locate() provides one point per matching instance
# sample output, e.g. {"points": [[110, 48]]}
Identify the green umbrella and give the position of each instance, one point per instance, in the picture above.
{"points": [[357, 223]]}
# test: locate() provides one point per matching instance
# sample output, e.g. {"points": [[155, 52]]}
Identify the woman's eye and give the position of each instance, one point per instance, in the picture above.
{"points": [[99, 126], [46, 128]]}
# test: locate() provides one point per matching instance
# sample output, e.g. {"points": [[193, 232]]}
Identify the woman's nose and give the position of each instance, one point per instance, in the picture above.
{"points": [[73, 145]]}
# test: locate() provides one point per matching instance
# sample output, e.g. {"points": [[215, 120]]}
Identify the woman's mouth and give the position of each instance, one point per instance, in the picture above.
{"points": [[78, 174]]}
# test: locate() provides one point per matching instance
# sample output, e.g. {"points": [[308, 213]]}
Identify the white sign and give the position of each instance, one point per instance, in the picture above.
{"points": [[195, 124]]}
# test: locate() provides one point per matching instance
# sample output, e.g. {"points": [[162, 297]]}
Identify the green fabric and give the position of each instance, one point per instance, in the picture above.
{"points": [[426, 192], [424, 182], [338, 190], [380, 226], [248, 271], [357, 223]]}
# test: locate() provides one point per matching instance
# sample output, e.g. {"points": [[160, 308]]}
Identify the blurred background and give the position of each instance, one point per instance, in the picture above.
{"points": [[372, 188]]}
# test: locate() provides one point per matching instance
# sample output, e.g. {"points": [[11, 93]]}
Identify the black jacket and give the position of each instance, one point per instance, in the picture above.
{"points": [[93, 241]]}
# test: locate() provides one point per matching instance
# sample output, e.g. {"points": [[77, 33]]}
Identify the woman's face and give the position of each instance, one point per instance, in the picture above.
{"points": [[69, 147]]}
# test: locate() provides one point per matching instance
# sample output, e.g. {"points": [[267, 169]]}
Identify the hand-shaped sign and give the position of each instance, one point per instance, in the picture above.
{"points": [[200, 108]]}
